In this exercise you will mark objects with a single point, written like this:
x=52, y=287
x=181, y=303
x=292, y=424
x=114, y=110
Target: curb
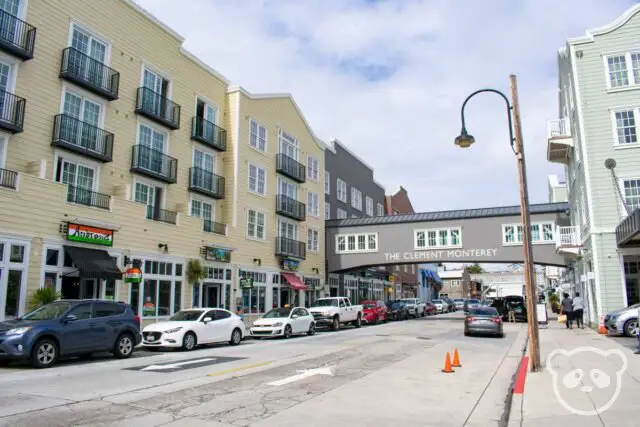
x=514, y=396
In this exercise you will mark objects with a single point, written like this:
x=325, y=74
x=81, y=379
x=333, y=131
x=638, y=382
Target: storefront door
x=211, y=295
x=89, y=289
x=13, y=278
x=285, y=296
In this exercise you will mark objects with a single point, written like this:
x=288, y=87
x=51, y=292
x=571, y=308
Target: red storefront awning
x=294, y=281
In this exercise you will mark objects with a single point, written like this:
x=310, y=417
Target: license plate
x=150, y=338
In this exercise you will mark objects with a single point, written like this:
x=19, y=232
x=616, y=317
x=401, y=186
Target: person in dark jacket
x=567, y=309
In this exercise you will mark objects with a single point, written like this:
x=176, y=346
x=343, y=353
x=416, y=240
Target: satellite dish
x=610, y=164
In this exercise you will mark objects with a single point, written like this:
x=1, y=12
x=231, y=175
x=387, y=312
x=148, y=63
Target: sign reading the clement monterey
x=86, y=234
x=441, y=254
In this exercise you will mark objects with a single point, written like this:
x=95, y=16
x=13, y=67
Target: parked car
x=459, y=302
x=70, y=328
x=416, y=307
x=399, y=310
x=511, y=302
x=336, y=311
x=284, y=322
x=189, y=328
x=430, y=308
x=374, y=312
x=451, y=305
x=623, y=321
x=440, y=305
x=469, y=304
x=483, y=320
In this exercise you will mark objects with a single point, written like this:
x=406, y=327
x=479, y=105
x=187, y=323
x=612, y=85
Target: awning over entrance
x=294, y=281
x=431, y=275
x=628, y=231
x=94, y=263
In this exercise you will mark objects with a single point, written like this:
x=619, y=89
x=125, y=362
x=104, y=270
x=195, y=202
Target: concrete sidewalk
x=585, y=378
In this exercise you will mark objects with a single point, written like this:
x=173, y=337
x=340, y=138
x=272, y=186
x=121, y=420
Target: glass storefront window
x=110, y=289
x=164, y=298
x=179, y=270
x=276, y=297
x=50, y=280
x=196, y=296
x=149, y=304
x=253, y=300
x=14, y=285
x=177, y=297
x=227, y=302
x=17, y=254
x=134, y=297
x=52, y=257
x=1, y=251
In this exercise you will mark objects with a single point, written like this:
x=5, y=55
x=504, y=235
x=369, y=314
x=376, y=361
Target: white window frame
x=327, y=182
x=158, y=277
x=633, y=83
x=380, y=209
x=425, y=236
x=636, y=118
x=540, y=225
x=310, y=241
x=87, y=96
x=23, y=267
x=163, y=74
x=293, y=224
x=313, y=208
x=258, y=167
x=255, y=237
x=341, y=190
x=622, y=205
x=210, y=103
x=149, y=183
x=327, y=211
x=91, y=33
x=311, y=162
x=142, y=121
x=208, y=151
x=283, y=138
x=356, y=236
x=356, y=198
x=369, y=205
x=202, y=199
x=266, y=136
x=14, y=66
x=341, y=214
x=78, y=160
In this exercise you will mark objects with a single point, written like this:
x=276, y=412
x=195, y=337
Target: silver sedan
x=483, y=320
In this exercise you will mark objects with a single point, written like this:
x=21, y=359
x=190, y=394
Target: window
x=327, y=211
x=152, y=157
x=288, y=145
x=257, y=180
x=256, y=224
x=623, y=70
x=369, y=206
x=287, y=229
x=257, y=136
x=83, y=131
x=313, y=204
x=438, y=238
x=625, y=125
x=80, y=179
x=405, y=267
x=94, y=49
x=82, y=312
x=148, y=195
x=253, y=299
x=354, y=216
x=543, y=232
x=288, y=188
x=341, y=214
x=355, y=243
x=380, y=209
x=103, y=309
x=356, y=198
x=631, y=191
x=202, y=209
x=342, y=190
x=313, y=242
x=313, y=168
x=160, y=294
x=327, y=182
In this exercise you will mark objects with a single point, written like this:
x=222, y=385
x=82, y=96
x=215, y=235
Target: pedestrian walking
x=567, y=309
x=578, y=310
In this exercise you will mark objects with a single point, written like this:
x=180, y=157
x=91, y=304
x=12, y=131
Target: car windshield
x=397, y=305
x=327, y=302
x=437, y=301
x=474, y=301
x=186, y=316
x=458, y=300
x=278, y=313
x=368, y=305
x=484, y=311
x=47, y=312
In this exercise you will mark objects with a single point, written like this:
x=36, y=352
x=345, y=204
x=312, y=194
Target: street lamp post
x=465, y=140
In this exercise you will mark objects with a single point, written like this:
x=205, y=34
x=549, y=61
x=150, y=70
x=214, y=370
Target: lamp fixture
x=257, y=261
x=315, y=270
x=165, y=246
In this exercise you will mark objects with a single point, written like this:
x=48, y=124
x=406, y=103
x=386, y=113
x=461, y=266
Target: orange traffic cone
x=456, y=359
x=447, y=364
x=602, y=329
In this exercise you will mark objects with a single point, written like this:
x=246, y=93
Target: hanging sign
x=217, y=254
x=246, y=283
x=133, y=275
x=86, y=234
x=290, y=264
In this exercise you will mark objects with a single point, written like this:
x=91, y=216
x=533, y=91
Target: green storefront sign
x=217, y=254
x=246, y=283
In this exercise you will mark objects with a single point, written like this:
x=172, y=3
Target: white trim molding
x=350, y=243
x=421, y=238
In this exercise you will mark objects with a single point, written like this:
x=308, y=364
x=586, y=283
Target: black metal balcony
x=215, y=227
x=158, y=108
x=154, y=164
x=291, y=168
x=208, y=133
x=11, y=112
x=82, y=196
x=286, y=247
x=89, y=73
x=8, y=179
x=207, y=183
x=161, y=215
x=82, y=138
x=628, y=231
x=291, y=208
x=17, y=37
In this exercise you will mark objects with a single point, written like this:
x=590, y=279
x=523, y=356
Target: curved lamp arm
x=509, y=109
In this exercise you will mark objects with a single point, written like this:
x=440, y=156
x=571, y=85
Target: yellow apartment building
x=120, y=149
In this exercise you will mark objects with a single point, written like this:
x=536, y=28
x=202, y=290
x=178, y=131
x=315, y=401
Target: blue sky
x=388, y=78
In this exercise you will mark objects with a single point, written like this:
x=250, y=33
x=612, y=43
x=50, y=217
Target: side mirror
x=295, y=316
x=207, y=319
x=70, y=318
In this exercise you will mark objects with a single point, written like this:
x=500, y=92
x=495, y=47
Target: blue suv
x=70, y=328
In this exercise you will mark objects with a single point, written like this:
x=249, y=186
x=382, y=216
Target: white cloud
x=437, y=52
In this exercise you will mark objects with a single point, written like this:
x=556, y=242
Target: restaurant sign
x=87, y=234
x=246, y=283
x=290, y=264
x=133, y=275
x=217, y=254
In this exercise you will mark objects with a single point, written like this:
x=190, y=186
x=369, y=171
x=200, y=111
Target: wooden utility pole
x=531, y=286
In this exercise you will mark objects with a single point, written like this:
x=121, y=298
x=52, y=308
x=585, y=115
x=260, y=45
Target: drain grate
x=423, y=338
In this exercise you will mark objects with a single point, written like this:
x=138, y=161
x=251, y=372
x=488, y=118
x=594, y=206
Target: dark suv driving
x=70, y=328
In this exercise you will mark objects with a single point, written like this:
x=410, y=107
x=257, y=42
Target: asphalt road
x=378, y=375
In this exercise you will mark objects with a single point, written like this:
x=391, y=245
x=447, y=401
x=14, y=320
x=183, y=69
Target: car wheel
x=287, y=332
x=44, y=354
x=236, y=337
x=335, y=325
x=124, y=346
x=424, y=312
x=631, y=328
x=501, y=335
x=359, y=321
x=376, y=320
x=312, y=329
x=189, y=341
x=466, y=333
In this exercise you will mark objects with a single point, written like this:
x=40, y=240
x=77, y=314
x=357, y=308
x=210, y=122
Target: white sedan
x=284, y=322
x=190, y=328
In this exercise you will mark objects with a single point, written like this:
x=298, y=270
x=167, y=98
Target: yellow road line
x=240, y=368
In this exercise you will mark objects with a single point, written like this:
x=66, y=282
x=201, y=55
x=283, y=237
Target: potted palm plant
x=43, y=296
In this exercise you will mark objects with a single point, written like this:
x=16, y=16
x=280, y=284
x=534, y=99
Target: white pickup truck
x=336, y=311
x=415, y=306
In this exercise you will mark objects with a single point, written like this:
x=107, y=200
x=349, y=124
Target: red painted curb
x=518, y=387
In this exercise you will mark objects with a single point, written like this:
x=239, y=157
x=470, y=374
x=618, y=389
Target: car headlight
x=277, y=324
x=18, y=331
x=173, y=331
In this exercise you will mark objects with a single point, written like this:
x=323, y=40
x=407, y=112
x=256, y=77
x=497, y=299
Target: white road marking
x=302, y=375
x=174, y=365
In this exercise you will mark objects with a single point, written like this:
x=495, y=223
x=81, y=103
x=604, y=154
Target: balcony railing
x=290, y=248
x=158, y=108
x=290, y=207
x=82, y=138
x=568, y=237
x=162, y=215
x=628, y=231
x=559, y=128
x=208, y=133
x=154, y=163
x=291, y=168
x=11, y=112
x=207, y=183
x=215, y=227
x=89, y=73
x=8, y=179
x=16, y=36
x=83, y=196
